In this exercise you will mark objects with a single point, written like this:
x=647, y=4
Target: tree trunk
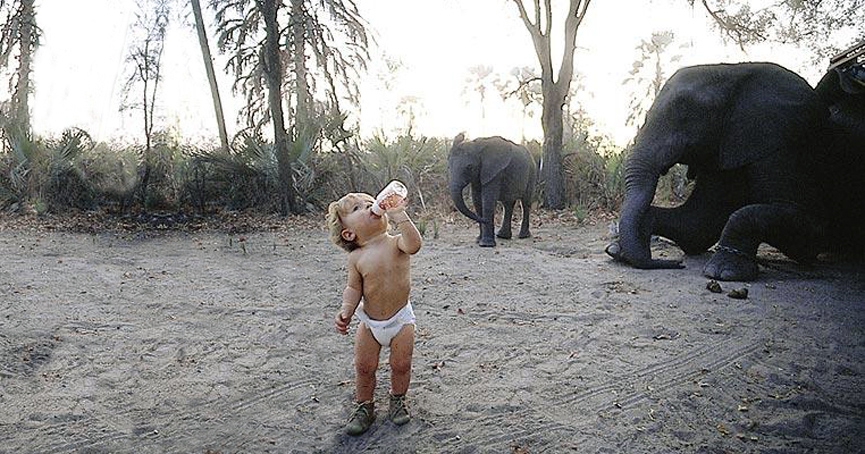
x=273, y=78
x=21, y=95
x=305, y=129
x=150, y=73
x=552, y=173
x=211, y=75
x=144, y=69
x=298, y=57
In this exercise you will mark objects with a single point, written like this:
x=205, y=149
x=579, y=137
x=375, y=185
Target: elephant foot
x=504, y=235
x=487, y=242
x=731, y=265
x=525, y=234
x=614, y=250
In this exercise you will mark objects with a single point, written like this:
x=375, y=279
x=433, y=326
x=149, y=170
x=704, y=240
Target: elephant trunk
x=636, y=222
x=460, y=203
x=633, y=243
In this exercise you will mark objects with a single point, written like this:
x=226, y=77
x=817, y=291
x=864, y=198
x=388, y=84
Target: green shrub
x=113, y=173
x=244, y=177
x=594, y=173
x=71, y=172
x=63, y=182
x=45, y=175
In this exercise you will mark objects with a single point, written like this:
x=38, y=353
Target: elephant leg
x=785, y=226
x=489, y=192
x=696, y=225
x=524, y=227
x=477, y=201
x=505, y=229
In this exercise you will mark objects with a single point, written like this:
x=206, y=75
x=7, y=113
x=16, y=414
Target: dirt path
x=201, y=342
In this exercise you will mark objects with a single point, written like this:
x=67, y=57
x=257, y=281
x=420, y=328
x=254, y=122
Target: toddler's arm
x=409, y=240
x=350, y=299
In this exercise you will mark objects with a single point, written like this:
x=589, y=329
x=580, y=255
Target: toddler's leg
x=366, y=351
x=401, y=350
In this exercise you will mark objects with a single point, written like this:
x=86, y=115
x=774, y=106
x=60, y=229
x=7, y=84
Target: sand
x=209, y=342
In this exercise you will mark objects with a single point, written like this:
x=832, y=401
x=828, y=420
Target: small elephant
x=774, y=160
x=497, y=170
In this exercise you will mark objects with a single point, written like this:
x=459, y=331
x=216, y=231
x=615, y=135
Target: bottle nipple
x=389, y=197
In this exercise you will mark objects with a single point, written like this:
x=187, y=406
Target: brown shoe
x=398, y=411
x=361, y=418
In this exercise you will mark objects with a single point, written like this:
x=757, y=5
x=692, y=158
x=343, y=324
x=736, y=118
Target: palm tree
x=19, y=33
x=274, y=46
x=273, y=78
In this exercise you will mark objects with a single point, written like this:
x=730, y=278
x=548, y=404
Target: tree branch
x=576, y=13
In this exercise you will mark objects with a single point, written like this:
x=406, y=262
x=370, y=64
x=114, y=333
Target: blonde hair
x=335, y=212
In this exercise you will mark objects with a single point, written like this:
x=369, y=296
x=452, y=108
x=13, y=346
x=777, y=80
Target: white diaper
x=385, y=330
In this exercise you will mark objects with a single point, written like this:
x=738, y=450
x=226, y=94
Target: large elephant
x=496, y=169
x=774, y=161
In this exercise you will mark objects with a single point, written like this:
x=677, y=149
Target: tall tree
x=272, y=66
x=211, y=75
x=408, y=108
x=305, y=53
x=554, y=86
x=19, y=36
x=645, y=80
x=479, y=80
x=525, y=87
x=649, y=72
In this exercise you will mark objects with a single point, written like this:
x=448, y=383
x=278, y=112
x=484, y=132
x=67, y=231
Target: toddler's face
x=358, y=218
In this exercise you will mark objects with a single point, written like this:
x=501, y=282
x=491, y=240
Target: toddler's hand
x=400, y=205
x=397, y=212
x=341, y=323
x=394, y=204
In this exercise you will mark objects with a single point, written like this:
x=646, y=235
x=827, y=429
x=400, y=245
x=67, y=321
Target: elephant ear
x=755, y=131
x=496, y=158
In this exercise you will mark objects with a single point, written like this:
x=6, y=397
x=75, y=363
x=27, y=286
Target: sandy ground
x=202, y=342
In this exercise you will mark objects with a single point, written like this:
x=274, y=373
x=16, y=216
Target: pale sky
x=79, y=69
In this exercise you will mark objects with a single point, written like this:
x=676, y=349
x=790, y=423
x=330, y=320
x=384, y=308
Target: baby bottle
x=389, y=197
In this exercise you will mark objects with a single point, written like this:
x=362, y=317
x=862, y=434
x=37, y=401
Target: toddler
x=379, y=282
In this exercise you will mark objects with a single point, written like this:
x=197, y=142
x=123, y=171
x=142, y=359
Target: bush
x=420, y=163
x=594, y=173
x=243, y=178
x=45, y=175
x=71, y=172
x=112, y=171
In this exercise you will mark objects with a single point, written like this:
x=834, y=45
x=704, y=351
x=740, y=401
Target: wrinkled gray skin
x=773, y=161
x=496, y=169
